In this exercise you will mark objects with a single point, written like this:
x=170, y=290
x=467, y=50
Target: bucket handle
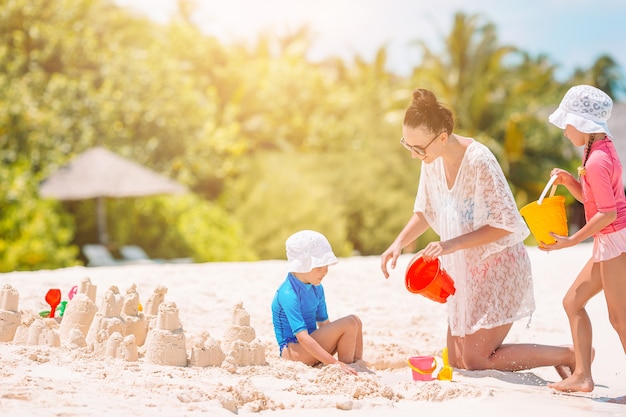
x=545, y=190
x=424, y=371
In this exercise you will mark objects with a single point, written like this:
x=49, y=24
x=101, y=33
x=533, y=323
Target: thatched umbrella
x=99, y=173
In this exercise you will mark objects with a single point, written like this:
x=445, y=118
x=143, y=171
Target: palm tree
x=499, y=95
x=469, y=74
x=605, y=74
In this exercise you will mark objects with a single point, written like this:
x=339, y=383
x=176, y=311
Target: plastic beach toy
x=422, y=367
x=445, y=373
x=428, y=279
x=53, y=297
x=546, y=215
x=72, y=292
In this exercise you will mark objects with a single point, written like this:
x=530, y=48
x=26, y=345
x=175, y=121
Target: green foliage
x=376, y=192
x=267, y=141
x=281, y=194
x=500, y=96
x=358, y=200
x=184, y=226
x=33, y=234
x=211, y=233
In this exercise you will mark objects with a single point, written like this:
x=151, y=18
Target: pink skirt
x=609, y=246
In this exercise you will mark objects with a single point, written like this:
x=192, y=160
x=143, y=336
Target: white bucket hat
x=584, y=107
x=308, y=249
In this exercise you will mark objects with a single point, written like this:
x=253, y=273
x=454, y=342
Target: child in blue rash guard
x=303, y=331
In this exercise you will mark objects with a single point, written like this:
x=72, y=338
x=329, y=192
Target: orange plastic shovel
x=53, y=297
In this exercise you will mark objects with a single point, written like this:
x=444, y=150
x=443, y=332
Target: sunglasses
x=420, y=150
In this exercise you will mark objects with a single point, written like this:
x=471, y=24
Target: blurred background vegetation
x=267, y=141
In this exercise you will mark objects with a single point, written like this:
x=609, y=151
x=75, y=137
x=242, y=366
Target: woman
x=464, y=196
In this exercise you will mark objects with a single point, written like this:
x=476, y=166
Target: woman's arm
x=478, y=237
x=414, y=228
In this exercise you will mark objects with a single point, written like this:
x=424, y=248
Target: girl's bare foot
x=574, y=383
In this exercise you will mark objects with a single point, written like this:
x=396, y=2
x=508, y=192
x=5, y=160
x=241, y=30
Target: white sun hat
x=308, y=249
x=584, y=107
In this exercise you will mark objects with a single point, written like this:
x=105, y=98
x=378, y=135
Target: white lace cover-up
x=493, y=281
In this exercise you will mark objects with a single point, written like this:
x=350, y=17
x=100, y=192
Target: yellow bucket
x=546, y=215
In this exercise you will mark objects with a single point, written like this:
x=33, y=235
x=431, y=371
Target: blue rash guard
x=297, y=306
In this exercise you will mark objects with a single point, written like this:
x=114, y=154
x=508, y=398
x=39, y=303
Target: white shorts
x=609, y=246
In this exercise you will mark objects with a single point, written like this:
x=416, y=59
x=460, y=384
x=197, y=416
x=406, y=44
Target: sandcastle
x=10, y=317
x=24, y=328
x=37, y=331
x=79, y=311
x=108, y=331
x=121, y=347
x=135, y=320
x=206, y=351
x=119, y=327
x=165, y=343
x=242, y=347
x=151, y=309
x=75, y=340
x=107, y=321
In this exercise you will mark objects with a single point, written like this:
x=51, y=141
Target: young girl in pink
x=583, y=114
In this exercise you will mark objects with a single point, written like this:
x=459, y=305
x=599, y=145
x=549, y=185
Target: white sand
x=218, y=314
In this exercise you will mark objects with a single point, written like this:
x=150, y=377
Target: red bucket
x=428, y=279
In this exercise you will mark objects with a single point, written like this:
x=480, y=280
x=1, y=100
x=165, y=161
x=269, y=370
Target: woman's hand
x=392, y=254
x=434, y=250
x=478, y=237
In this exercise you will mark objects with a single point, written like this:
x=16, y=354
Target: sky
x=571, y=33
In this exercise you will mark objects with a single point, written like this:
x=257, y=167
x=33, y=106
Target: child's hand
x=560, y=242
x=562, y=177
x=347, y=368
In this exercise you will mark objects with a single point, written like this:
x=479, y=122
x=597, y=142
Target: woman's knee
x=473, y=361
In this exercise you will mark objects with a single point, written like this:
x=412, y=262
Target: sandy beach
x=208, y=346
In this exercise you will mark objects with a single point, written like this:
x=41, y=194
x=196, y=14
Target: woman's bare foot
x=574, y=383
